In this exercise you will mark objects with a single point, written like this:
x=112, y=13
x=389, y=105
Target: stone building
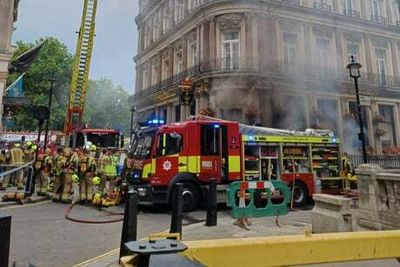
x=8, y=15
x=281, y=63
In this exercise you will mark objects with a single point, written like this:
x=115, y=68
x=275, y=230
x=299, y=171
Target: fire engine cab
x=197, y=150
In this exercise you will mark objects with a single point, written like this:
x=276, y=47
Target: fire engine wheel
x=300, y=195
x=190, y=197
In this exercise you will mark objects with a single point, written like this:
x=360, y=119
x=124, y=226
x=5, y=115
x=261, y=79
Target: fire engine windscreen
x=99, y=140
x=142, y=146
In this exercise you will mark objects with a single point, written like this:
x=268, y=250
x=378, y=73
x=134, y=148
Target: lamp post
x=354, y=70
x=52, y=80
x=133, y=110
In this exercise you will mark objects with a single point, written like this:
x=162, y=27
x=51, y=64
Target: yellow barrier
x=295, y=250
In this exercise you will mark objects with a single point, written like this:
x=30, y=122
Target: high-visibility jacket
x=16, y=156
x=110, y=167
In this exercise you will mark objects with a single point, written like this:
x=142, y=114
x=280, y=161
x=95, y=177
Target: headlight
x=142, y=192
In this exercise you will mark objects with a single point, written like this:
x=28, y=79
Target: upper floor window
x=289, y=47
x=396, y=13
x=167, y=16
x=231, y=49
x=194, y=4
x=179, y=61
x=179, y=10
x=146, y=36
x=388, y=126
x=353, y=50
x=166, y=69
x=157, y=24
x=154, y=73
x=322, y=51
x=376, y=10
x=146, y=79
x=380, y=57
x=349, y=9
x=193, y=53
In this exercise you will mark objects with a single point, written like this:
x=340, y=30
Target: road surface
x=42, y=237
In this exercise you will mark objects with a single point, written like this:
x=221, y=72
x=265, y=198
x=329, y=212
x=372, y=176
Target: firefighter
x=29, y=152
x=87, y=170
x=347, y=166
x=110, y=170
x=101, y=168
x=44, y=172
x=16, y=158
x=70, y=164
x=57, y=172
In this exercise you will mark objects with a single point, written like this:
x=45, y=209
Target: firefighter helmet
x=93, y=148
x=96, y=180
x=75, y=178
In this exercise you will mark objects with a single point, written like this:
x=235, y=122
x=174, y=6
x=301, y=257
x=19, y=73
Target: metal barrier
x=385, y=161
x=295, y=250
x=29, y=182
x=249, y=199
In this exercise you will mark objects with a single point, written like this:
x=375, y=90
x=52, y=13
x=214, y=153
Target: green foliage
x=55, y=61
x=107, y=106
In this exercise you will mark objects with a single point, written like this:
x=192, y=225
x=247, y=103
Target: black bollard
x=5, y=235
x=29, y=187
x=129, y=226
x=177, y=207
x=211, y=219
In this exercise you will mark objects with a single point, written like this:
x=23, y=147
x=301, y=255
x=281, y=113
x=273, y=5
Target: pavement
x=33, y=199
x=293, y=223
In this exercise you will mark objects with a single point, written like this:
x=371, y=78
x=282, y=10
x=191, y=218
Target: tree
x=107, y=106
x=55, y=61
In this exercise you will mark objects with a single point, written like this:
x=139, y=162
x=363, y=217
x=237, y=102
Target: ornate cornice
x=231, y=21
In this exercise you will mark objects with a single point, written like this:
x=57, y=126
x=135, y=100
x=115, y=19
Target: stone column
x=396, y=70
x=185, y=52
x=168, y=119
x=368, y=54
x=212, y=38
x=204, y=41
x=248, y=28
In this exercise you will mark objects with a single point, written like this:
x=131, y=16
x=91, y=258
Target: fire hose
x=70, y=207
x=69, y=218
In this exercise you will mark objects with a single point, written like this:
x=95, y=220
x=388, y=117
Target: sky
x=116, y=35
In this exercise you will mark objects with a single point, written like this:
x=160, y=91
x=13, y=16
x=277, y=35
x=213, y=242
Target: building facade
x=280, y=63
x=8, y=15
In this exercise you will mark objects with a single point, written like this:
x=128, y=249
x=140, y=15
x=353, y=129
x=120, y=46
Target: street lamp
x=52, y=80
x=133, y=110
x=354, y=70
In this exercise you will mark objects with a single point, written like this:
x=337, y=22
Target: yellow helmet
x=96, y=180
x=29, y=143
x=17, y=145
x=34, y=147
x=93, y=148
x=75, y=178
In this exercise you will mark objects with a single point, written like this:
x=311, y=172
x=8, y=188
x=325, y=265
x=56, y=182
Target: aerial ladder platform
x=81, y=67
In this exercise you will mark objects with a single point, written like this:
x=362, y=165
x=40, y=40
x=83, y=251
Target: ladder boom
x=81, y=67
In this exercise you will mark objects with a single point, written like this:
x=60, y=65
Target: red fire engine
x=197, y=150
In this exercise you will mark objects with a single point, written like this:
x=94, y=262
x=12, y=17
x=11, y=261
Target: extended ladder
x=80, y=75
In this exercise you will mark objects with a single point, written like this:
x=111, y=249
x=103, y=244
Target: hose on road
x=69, y=218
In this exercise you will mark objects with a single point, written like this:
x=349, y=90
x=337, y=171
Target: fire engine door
x=214, y=152
x=169, y=145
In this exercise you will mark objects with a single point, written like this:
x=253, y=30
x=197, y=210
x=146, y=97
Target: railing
x=385, y=161
x=279, y=69
x=379, y=19
x=322, y=6
x=351, y=13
